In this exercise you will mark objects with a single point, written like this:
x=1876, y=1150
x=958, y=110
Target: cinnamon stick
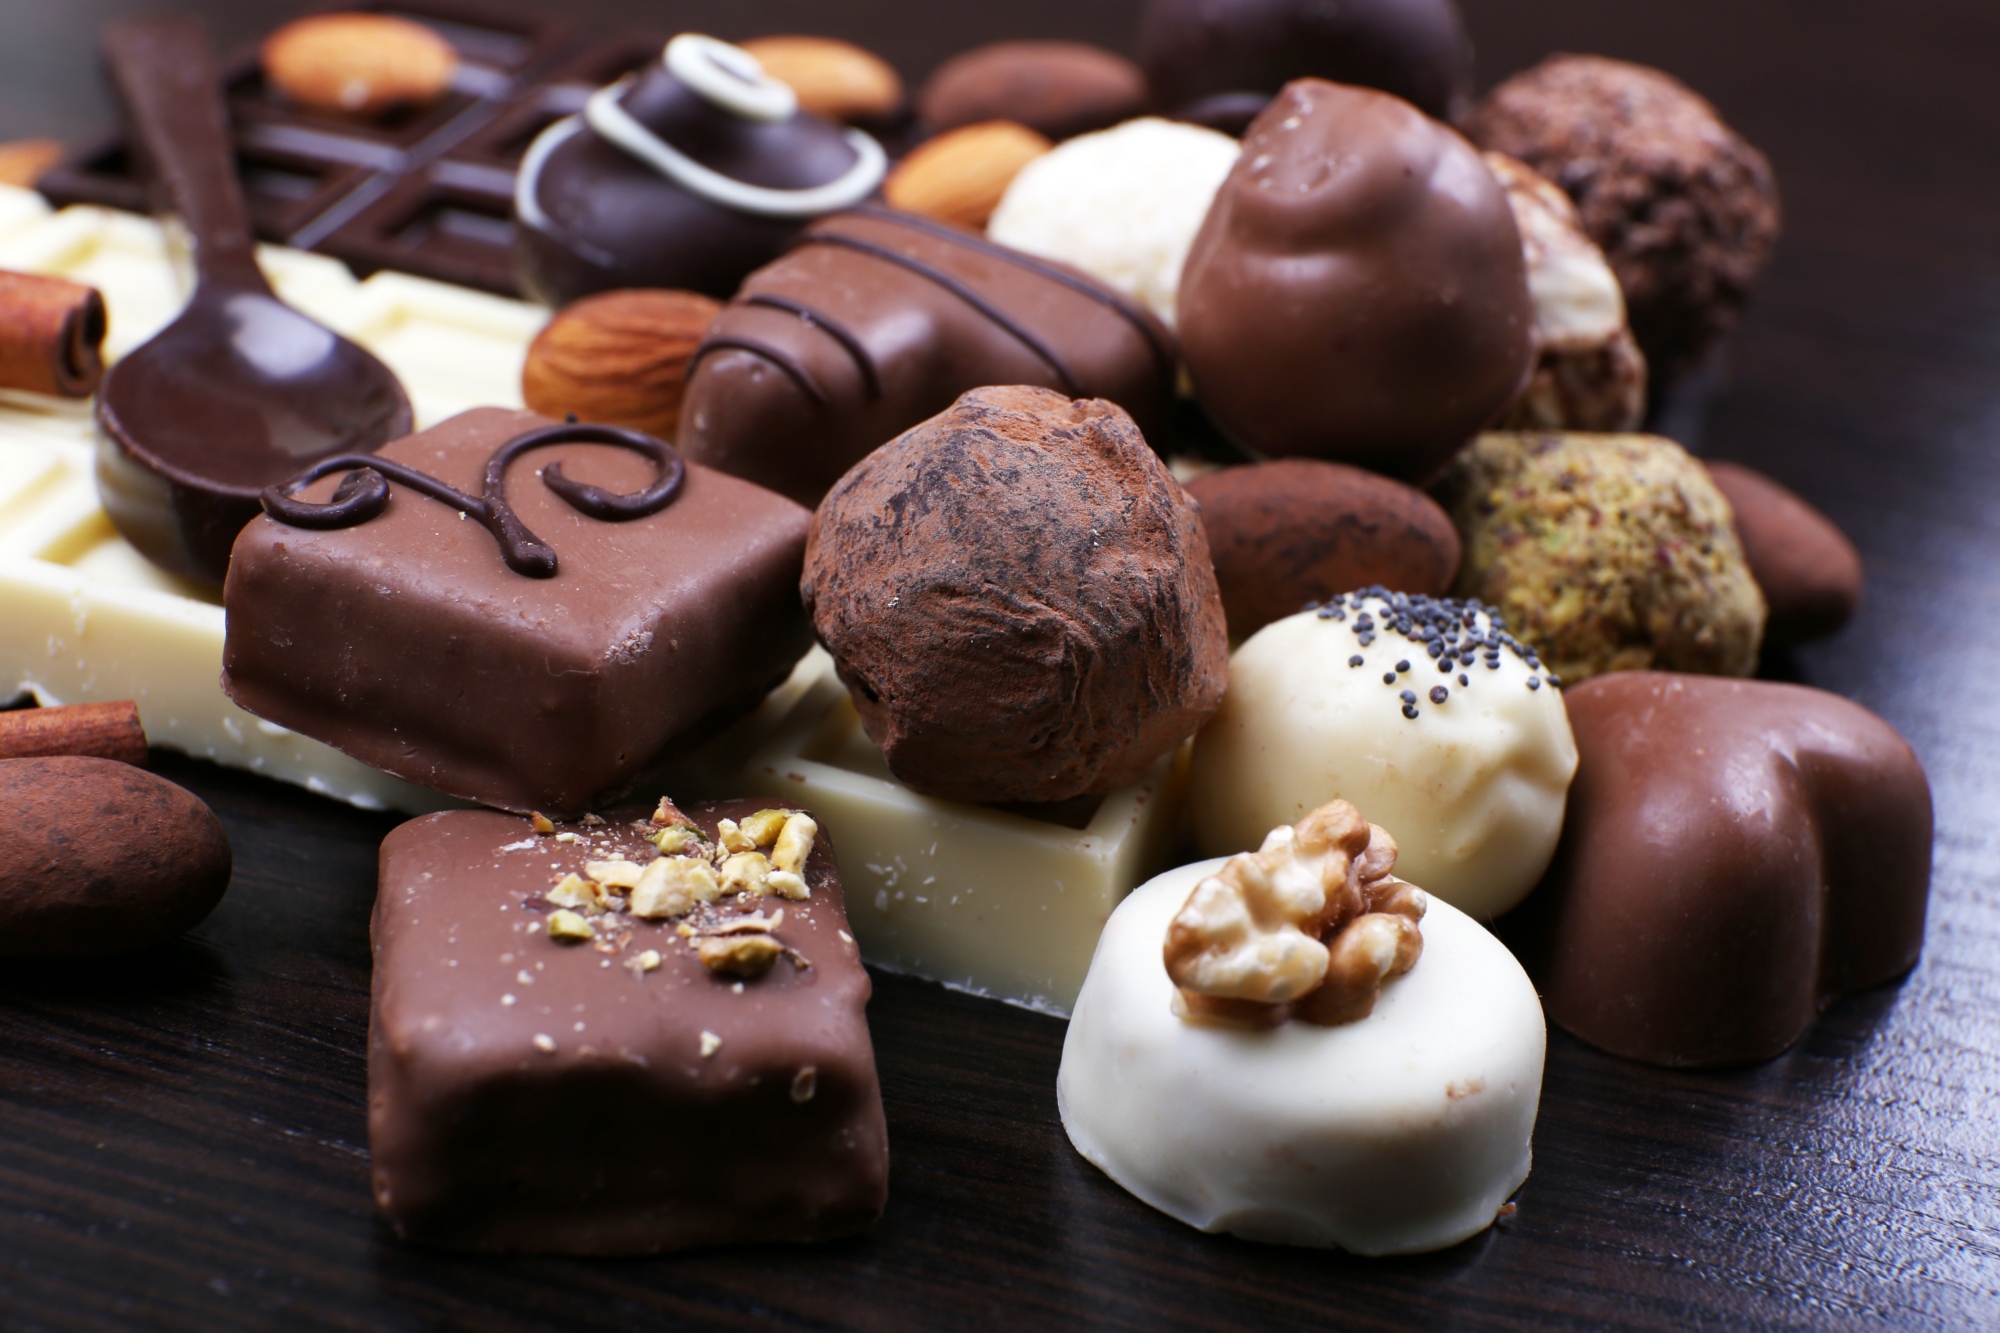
x=51, y=335
x=103, y=731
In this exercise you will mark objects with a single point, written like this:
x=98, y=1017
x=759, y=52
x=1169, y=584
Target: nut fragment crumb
x=574, y=891
x=647, y=961
x=542, y=823
x=804, y=1084
x=732, y=837
x=764, y=827
x=567, y=925
x=743, y=955
x=666, y=812
x=566, y=837
x=672, y=885
x=593, y=821
x=787, y=885
x=795, y=844
x=618, y=873
x=710, y=1043
x=545, y=1043
x=746, y=872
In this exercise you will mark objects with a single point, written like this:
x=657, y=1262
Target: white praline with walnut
x=1424, y=712
x=1399, y=1132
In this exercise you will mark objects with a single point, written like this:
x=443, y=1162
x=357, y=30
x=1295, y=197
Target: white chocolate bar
x=1401, y=1132
x=83, y=616
x=984, y=900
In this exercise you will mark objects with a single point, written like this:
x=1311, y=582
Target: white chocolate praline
x=1402, y=1132
x=1123, y=204
x=1472, y=788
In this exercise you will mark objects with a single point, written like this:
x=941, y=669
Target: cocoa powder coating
x=1684, y=207
x=1019, y=598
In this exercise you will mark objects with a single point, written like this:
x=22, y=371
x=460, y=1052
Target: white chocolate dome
x=1471, y=787
x=1402, y=1132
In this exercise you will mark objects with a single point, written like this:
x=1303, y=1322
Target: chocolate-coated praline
x=1358, y=290
x=1416, y=49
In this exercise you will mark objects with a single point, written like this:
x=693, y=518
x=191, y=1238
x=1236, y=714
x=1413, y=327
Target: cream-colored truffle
x=1122, y=205
x=1466, y=767
x=1400, y=1132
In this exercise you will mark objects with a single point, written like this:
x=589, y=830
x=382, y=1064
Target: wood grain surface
x=183, y=1138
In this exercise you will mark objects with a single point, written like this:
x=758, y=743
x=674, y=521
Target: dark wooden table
x=183, y=1139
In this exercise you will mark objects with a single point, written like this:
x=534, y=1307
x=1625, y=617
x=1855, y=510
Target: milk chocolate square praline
x=407, y=642
x=529, y=1094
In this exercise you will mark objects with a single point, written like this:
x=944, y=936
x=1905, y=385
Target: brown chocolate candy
x=1809, y=571
x=1357, y=291
x=1020, y=600
x=1058, y=89
x=879, y=320
x=1295, y=530
x=1205, y=50
x=1736, y=855
x=98, y=857
x=1684, y=207
x=410, y=641
x=523, y=1095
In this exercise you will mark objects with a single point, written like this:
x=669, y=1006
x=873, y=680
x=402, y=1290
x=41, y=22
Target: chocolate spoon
x=241, y=391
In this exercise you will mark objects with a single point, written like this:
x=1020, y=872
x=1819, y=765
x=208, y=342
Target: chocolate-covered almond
x=1358, y=290
x=1298, y=530
x=98, y=857
x=1809, y=571
x=1058, y=89
x=1736, y=855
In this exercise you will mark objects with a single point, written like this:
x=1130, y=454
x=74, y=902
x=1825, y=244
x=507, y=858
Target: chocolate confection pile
x=1021, y=398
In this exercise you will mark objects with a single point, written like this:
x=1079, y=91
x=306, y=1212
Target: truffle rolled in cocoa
x=51, y=335
x=98, y=857
x=1736, y=855
x=1019, y=599
x=1296, y=530
x=878, y=320
x=1357, y=291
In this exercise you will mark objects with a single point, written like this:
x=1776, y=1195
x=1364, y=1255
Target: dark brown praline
x=531, y=1095
x=614, y=222
x=1684, y=208
x=1358, y=290
x=1809, y=572
x=1297, y=530
x=1020, y=600
x=878, y=320
x=1736, y=855
x=1194, y=50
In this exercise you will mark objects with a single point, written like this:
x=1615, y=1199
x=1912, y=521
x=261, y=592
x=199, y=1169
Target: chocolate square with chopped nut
x=620, y=1036
x=406, y=638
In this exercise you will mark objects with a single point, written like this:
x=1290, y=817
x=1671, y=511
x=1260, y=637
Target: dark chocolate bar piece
x=410, y=641
x=577, y=1079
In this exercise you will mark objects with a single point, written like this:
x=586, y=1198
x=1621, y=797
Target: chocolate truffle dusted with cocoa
x=1809, y=572
x=1685, y=209
x=1020, y=600
x=1297, y=530
x=1197, y=51
x=513, y=610
x=1736, y=855
x=1357, y=291
x=620, y=1036
x=1059, y=89
x=687, y=175
x=878, y=320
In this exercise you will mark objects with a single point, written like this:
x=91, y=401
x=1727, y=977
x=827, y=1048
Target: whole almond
x=832, y=78
x=618, y=357
x=22, y=161
x=959, y=176
x=361, y=64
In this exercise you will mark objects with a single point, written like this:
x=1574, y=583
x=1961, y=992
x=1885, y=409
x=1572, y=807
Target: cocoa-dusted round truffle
x=1358, y=290
x=688, y=174
x=1297, y=530
x=1059, y=89
x=1019, y=599
x=1684, y=207
x=1198, y=51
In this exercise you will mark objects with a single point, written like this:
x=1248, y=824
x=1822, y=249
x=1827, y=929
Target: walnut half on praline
x=1019, y=598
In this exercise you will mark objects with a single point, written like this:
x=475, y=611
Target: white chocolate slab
x=984, y=900
x=83, y=616
x=1403, y=1132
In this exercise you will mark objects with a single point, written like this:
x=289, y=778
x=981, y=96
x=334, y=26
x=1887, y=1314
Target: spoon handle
x=165, y=74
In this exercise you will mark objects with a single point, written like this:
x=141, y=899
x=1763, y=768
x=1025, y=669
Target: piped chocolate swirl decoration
x=364, y=492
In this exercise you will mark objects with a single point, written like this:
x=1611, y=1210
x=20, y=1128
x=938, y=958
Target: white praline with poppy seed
x=1467, y=765
x=1400, y=1132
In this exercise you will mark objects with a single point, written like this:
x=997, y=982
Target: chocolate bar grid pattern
x=427, y=191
